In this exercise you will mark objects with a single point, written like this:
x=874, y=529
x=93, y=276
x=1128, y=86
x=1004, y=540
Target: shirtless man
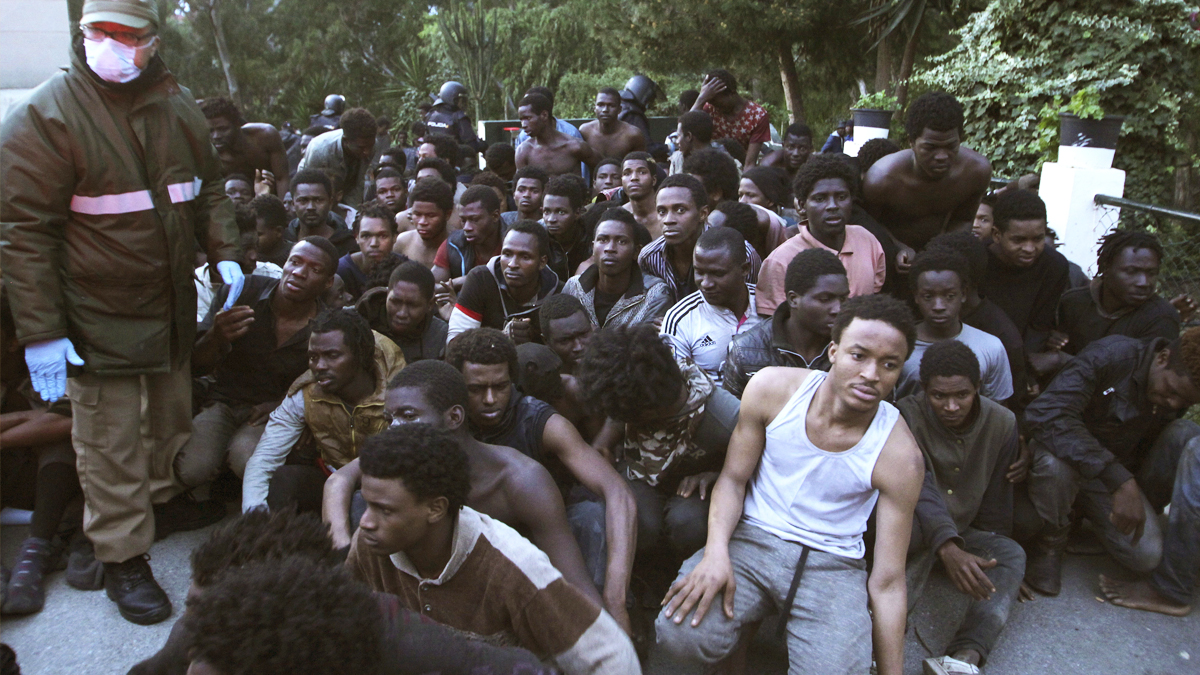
x=640, y=181
x=432, y=204
x=505, y=484
x=547, y=147
x=832, y=451
x=609, y=136
x=797, y=148
x=931, y=188
x=255, y=150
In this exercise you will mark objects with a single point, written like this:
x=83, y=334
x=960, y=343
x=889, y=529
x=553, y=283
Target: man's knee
x=241, y=448
x=1146, y=554
x=686, y=524
x=694, y=647
x=1053, y=485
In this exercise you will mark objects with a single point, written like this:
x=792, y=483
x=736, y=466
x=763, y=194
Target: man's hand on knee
x=1128, y=514
x=713, y=576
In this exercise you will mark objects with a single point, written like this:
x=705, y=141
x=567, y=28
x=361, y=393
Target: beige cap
x=132, y=13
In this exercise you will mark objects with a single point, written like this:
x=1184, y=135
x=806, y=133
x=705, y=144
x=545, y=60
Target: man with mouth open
x=790, y=526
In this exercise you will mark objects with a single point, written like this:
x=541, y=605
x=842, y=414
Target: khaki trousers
x=126, y=431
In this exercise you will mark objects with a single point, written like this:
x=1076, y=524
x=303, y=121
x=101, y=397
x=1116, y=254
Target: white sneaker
x=948, y=665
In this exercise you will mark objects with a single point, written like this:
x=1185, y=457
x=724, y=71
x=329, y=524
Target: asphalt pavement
x=1075, y=633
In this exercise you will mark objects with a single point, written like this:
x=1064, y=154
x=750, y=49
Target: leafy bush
x=1141, y=59
x=880, y=100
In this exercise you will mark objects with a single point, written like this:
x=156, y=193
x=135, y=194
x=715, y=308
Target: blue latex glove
x=231, y=274
x=47, y=361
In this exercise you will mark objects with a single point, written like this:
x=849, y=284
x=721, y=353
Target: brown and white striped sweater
x=503, y=589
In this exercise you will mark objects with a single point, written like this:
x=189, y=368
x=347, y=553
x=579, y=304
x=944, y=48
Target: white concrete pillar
x=35, y=41
x=1068, y=192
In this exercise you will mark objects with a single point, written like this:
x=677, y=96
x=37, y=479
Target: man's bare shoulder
x=890, y=170
x=770, y=388
x=901, y=464
x=975, y=165
x=260, y=130
x=524, y=149
x=589, y=128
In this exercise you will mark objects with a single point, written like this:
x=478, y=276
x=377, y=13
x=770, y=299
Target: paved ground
x=82, y=632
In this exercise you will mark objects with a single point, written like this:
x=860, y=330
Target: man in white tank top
x=817, y=451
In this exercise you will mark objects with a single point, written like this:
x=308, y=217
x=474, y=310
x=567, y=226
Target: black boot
x=131, y=585
x=1043, y=568
x=184, y=513
x=26, y=588
x=83, y=570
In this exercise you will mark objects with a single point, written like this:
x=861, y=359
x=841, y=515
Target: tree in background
x=1017, y=57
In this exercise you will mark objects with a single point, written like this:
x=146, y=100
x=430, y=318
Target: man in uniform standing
x=110, y=181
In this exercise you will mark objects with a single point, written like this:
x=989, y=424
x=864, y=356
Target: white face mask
x=111, y=60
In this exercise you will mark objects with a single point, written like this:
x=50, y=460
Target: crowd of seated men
x=581, y=420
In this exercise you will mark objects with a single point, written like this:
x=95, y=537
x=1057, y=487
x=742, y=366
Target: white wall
x=35, y=41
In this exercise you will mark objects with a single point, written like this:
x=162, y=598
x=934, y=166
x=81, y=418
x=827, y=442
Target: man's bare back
x=623, y=139
x=558, y=154
x=259, y=148
x=412, y=245
x=915, y=209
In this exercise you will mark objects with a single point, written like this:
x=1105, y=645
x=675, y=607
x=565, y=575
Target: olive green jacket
x=107, y=192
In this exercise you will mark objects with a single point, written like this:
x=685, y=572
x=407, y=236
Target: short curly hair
x=356, y=334
x=271, y=209
x=281, y=618
x=219, y=106
x=949, y=358
x=627, y=370
x=313, y=177
x=533, y=173
x=414, y=273
x=879, y=307
x=1118, y=240
x=934, y=110
x=739, y=216
x=260, y=536
x=428, y=461
x=558, y=306
x=1185, y=355
x=1017, y=204
x=358, y=123
x=481, y=194
x=497, y=155
x=377, y=210
x=441, y=383
x=939, y=259
x=773, y=182
x=444, y=145
x=570, y=186
x=485, y=346
x=445, y=172
x=821, y=167
x=690, y=183
x=716, y=169
x=874, y=150
x=968, y=246
x=725, y=239
x=488, y=179
x=433, y=191
x=697, y=123
x=808, y=266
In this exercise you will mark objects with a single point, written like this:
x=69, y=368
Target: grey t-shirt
x=995, y=376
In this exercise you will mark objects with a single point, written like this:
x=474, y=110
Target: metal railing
x=1177, y=231
x=1157, y=211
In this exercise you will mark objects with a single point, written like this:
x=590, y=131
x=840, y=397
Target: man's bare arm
x=335, y=503
x=752, y=154
x=539, y=510
x=585, y=153
x=898, y=475
x=714, y=575
x=279, y=162
x=620, y=511
x=523, y=152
